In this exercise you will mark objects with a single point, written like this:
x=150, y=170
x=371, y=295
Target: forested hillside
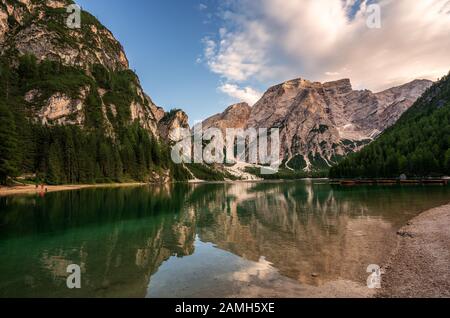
x=72, y=153
x=71, y=111
x=418, y=145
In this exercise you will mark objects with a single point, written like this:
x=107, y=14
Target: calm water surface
x=207, y=240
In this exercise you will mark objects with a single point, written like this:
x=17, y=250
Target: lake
x=274, y=239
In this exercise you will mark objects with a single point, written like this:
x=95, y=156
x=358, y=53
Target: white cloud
x=246, y=94
x=270, y=41
x=210, y=48
x=237, y=56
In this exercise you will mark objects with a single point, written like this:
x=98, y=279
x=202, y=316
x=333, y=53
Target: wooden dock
x=355, y=182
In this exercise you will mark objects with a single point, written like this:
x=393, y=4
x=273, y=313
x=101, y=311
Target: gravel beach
x=420, y=265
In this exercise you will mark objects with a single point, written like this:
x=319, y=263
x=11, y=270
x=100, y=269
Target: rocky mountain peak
x=235, y=116
x=93, y=77
x=39, y=28
x=171, y=121
x=343, y=86
x=322, y=122
x=238, y=108
x=294, y=84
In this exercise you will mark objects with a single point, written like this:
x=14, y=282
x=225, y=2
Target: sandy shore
x=420, y=265
x=31, y=189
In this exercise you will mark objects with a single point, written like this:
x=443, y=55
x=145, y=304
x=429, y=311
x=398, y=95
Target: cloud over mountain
x=268, y=41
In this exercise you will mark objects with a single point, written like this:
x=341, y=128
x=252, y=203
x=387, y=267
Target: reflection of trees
x=120, y=238
x=61, y=211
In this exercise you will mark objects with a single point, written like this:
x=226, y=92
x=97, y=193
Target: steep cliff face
x=417, y=145
x=235, y=116
x=170, y=122
x=321, y=123
x=395, y=101
x=38, y=29
x=77, y=113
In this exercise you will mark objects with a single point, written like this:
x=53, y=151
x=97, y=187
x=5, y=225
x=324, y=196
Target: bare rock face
x=172, y=121
x=397, y=100
x=322, y=122
x=38, y=28
x=55, y=3
x=28, y=27
x=4, y=27
x=157, y=112
x=235, y=116
x=160, y=178
x=143, y=112
x=62, y=109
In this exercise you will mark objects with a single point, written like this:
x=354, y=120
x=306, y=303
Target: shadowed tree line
x=70, y=153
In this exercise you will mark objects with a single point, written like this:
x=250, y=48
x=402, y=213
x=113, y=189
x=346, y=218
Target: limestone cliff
x=235, y=116
x=172, y=121
x=322, y=122
x=38, y=29
x=337, y=120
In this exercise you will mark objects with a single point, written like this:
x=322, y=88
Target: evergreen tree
x=447, y=162
x=28, y=68
x=417, y=145
x=54, y=173
x=70, y=153
x=8, y=144
x=118, y=167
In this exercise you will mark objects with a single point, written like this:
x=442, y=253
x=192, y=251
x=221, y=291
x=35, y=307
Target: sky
x=204, y=55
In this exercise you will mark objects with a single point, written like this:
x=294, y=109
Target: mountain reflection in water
x=207, y=240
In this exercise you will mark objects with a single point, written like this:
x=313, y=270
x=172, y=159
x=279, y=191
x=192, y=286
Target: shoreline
x=419, y=265
x=31, y=189
x=253, y=181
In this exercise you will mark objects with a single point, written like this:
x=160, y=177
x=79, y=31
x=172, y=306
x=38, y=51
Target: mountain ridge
x=320, y=123
x=417, y=145
x=70, y=91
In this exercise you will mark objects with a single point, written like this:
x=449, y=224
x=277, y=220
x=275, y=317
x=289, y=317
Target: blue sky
x=163, y=40
x=203, y=55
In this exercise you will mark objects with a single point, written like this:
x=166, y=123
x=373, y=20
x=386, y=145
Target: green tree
x=118, y=167
x=28, y=68
x=8, y=144
x=54, y=174
x=447, y=162
x=417, y=145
